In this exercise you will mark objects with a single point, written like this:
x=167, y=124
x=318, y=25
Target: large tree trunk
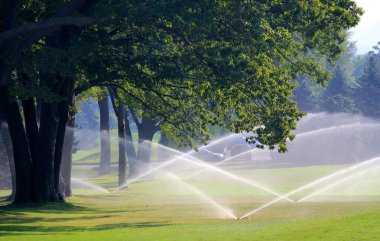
x=63, y=114
x=59, y=184
x=105, y=143
x=44, y=190
x=21, y=152
x=30, y=117
x=146, y=131
x=67, y=156
x=48, y=183
x=120, y=114
x=9, y=151
x=37, y=160
x=31, y=125
x=53, y=120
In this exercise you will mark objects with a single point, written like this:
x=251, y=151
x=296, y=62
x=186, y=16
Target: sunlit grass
x=164, y=210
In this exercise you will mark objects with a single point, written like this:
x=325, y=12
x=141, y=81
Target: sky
x=367, y=33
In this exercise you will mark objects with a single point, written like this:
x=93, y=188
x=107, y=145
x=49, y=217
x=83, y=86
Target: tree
x=120, y=115
x=67, y=156
x=104, y=133
x=37, y=151
x=201, y=62
x=308, y=95
x=147, y=125
x=9, y=152
x=367, y=96
x=338, y=96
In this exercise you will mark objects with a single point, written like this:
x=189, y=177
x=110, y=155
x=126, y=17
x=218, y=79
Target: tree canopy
x=190, y=63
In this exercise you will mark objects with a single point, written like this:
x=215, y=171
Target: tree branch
x=53, y=23
x=148, y=106
x=187, y=43
x=12, y=12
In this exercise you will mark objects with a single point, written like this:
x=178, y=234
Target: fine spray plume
x=330, y=158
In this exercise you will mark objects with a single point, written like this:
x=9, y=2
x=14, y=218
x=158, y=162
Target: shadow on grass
x=27, y=218
x=58, y=207
x=55, y=208
x=9, y=230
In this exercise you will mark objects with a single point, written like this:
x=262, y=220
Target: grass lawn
x=164, y=210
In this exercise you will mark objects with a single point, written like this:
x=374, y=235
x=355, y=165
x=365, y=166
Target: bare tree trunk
x=63, y=114
x=21, y=153
x=130, y=148
x=31, y=125
x=67, y=156
x=120, y=114
x=9, y=151
x=146, y=130
x=121, y=134
x=44, y=165
x=30, y=117
x=105, y=143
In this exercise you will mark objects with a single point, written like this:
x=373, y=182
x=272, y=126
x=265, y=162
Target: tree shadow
x=58, y=207
x=19, y=218
x=10, y=230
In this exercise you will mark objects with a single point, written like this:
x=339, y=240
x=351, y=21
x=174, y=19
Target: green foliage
x=338, y=95
x=367, y=97
x=221, y=63
x=191, y=64
x=354, y=87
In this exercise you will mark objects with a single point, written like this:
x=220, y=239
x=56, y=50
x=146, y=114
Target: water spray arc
x=322, y=140
x=203, y=196
x=221, y=162
x=171, y=161
x=200, y=194
x=333, y=184
x=311, y=184
x=195, y=161
x=357, y=124
x=151, y=170
x=300, y=135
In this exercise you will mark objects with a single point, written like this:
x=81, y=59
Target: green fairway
x=165, y=210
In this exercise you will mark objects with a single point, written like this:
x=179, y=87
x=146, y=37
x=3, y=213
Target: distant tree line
x=353, y=88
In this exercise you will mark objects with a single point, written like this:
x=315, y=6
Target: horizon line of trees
x=353, y=88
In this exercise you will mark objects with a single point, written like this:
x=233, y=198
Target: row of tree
x=354, y=87
x=190, y=63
